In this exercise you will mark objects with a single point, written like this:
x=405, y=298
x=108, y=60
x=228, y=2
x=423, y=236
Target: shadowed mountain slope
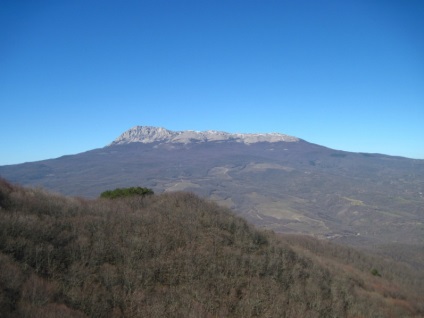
x=176, y=255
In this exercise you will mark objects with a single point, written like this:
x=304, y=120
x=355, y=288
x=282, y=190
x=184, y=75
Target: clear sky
x=344, y=74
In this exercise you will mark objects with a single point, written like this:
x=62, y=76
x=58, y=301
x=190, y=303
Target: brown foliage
x=172, y=255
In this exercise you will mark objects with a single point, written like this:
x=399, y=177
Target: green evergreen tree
x=126, y=192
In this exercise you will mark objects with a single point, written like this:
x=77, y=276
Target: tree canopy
x=126, y=192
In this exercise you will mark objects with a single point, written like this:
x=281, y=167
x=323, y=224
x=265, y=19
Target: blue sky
x=344, y=74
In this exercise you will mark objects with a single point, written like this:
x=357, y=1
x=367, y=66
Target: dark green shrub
x=375, y=272
x=126, y=192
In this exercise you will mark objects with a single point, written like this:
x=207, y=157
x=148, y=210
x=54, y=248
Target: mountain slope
x=287, y=186
x=171, y=255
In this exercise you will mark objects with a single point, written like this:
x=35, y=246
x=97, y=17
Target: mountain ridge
x=151, y=134
x=360, y=199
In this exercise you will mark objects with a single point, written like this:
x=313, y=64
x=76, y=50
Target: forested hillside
x=176, y=255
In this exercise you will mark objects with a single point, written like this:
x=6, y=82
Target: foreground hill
x=176, y=255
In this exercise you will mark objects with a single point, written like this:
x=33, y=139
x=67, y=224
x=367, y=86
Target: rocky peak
x=149, y=134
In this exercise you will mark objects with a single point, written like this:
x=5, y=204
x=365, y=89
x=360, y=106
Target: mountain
x=275, y=181
x=176, y=255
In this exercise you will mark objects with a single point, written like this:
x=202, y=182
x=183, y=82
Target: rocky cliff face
x=147, y=134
